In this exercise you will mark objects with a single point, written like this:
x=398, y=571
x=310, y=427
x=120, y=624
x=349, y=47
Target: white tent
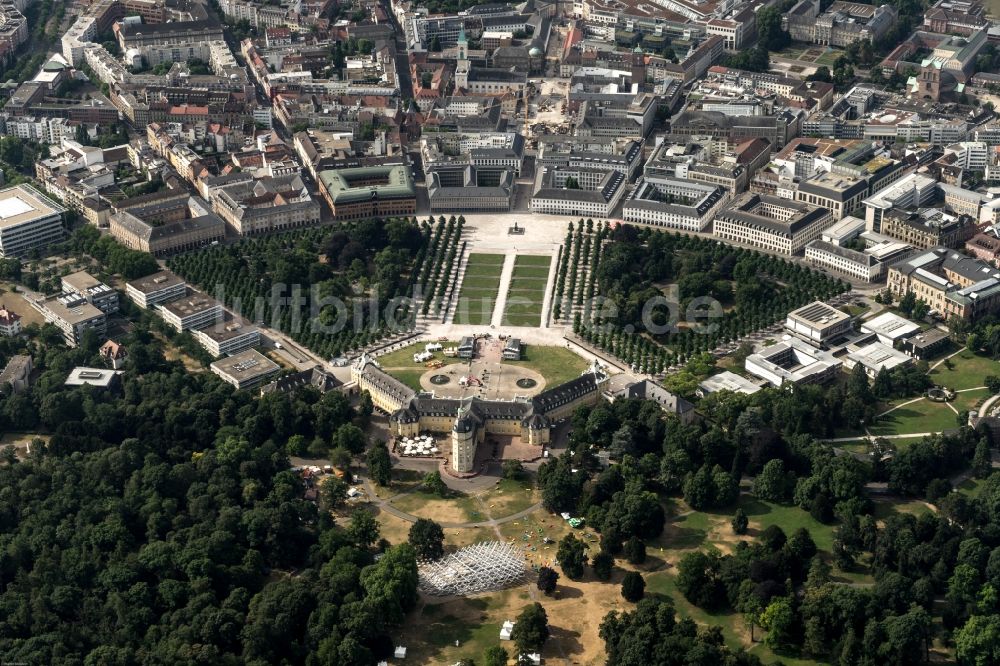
x=400, y=652
x=505, y=630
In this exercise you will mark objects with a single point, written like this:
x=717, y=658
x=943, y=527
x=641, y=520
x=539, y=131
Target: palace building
x=470, y=420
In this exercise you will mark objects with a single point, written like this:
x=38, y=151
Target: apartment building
x=155, y=289
x=86, y=286
x=228, y=337
x=73, y=316
x=192, y=311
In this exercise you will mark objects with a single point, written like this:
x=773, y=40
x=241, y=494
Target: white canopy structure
x=481, y=567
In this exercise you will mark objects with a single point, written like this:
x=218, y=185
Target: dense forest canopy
x=161, y=525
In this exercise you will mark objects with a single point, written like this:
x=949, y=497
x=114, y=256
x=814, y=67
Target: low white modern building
x=818, y=323
x=876, y=356
x=727, y=381
x=889, y=327
x=191, y=312
x=225, y=338
x=792, y=361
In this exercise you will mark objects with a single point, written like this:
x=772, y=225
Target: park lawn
x=828, y=58
x=521, y=282
x=477, y=258
x=529, y=312
x=968, y=400
x=403, y=480
x=510, y=496
x=556, y=364
x=922, y=416
x=971, y=487
x=885, y=508
x=968, y=371
x=409, y=376
x=404, y=357
x=431, y=631
x=733, y=628
x=789, y=518
x=400, y=363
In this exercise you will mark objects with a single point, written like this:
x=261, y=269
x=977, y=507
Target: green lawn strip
x=473, y=318
x=917, y=417
x=527, y=281
x=532, y=260
x=968, y=371
x=483, y=271
x=484, y=258
x=536, y=272
x=480, y=282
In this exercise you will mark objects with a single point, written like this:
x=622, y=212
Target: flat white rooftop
x=728, y=381
x=890, y=326
x=20, y=204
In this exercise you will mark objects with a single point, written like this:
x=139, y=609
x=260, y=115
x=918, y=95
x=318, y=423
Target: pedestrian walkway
x=505, y=275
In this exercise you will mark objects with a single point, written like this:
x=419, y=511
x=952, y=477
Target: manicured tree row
x=581, y=286
x=563, y=269
x=574, y=265
x=439, y=257
x=435, y=244
x=556, y=309
x=449, y=265
x=454, y=278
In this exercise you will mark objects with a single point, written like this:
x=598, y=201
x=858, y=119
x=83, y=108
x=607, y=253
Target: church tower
x=462, y=64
